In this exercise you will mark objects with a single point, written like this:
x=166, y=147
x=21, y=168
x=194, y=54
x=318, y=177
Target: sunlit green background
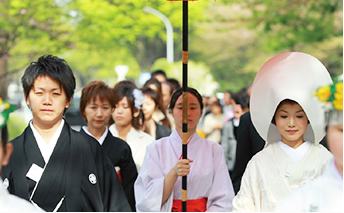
x=228, y=39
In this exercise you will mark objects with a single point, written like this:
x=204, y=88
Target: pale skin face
x=194, y=113
x=291, y=122
x=47, y=101
x=160, y=77
x=216, y=110
x=122, y=116
x=122, y=113
x=166, y=94
x=148, y=107
x=335, y=142
x=97, y=114
x=227, y=98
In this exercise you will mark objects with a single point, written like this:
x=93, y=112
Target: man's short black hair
x=158, y=72
x=53, y=67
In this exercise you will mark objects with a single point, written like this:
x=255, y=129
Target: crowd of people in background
x=248, y=151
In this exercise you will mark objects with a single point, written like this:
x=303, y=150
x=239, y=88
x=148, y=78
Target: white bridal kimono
x=12, y=203
x=324, y=194
x=276, y=171
x=271, y=175
x=208, y=177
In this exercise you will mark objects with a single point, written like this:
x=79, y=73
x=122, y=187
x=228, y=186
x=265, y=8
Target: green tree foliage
x=117, y=27
x=29, y=28
x=15, y=125
x=237, y=37
x=286, y=23
x=231, y=39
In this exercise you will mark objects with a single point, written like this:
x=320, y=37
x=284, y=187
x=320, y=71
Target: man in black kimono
x=52, y=165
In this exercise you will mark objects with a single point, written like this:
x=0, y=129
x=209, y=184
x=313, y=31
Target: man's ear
x=69, y=103
x=26, y=100
x=7, y=154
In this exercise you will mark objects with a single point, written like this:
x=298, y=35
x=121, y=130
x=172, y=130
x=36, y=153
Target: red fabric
x=197, y=205
x=119, y=176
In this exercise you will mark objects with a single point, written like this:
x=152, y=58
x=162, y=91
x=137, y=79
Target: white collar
x=3, y=188
x=47, y=148
x=295, y=154
x=102, y=138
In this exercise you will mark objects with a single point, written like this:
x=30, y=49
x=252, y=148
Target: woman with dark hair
x=159, y=115
x=324, y=193
x=291, y=122
x=96, y=105
x=149, y=106
x=128, y=120
x=158, y=186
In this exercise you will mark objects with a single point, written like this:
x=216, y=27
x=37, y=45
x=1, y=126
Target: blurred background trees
x=229, y=40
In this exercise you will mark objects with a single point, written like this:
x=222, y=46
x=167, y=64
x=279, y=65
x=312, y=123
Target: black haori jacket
x=78, y=176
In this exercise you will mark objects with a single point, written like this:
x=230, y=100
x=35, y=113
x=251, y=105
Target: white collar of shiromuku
x=102, y=138
x=47, y=148
x=295, y=154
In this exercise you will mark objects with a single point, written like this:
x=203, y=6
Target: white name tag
x=35, y=173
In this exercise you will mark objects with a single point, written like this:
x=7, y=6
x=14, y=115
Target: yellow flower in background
x=338, y=101
x=338, y=104
x=201, y=133
x=339, y=87
x=332, y=95
x=323, y=93
x=7, y=105
x=5, y=109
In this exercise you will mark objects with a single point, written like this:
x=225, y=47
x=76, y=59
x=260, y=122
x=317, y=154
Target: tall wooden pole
x=185, y=100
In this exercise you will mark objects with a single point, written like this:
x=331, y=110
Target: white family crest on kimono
x=208, y=177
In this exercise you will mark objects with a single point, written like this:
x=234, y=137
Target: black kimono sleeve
x=119, y=153
x=249, y=143
x=111, y=190
x=129, y=175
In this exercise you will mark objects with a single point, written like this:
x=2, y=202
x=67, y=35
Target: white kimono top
x=271, y=175
x=12, y=203
x=210, y=121
x=208, y=177
x=324, y=194
x=138, y=141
